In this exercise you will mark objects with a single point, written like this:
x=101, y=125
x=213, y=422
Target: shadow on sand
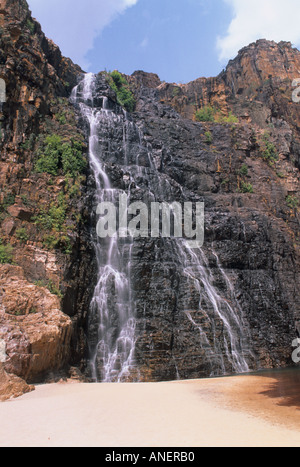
x=286, y=388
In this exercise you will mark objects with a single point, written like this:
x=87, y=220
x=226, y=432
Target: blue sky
x=180, y=40
x=173, y=38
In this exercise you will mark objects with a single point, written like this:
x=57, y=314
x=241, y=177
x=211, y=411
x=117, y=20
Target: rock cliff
x=246, y=172
x=40, y=209
x=242, y=161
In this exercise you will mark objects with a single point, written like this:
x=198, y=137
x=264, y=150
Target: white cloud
x=74, y=24
x=259, y=19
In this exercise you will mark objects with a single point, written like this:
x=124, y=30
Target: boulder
x=36, y=332
x=11, y=386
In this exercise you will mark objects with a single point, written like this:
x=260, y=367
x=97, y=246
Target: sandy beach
x=241, y=411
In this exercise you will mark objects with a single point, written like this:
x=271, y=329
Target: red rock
x=36, y=332
x=20, y=213
x=11, y=386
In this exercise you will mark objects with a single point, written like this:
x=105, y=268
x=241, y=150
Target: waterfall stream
x=112, y=310
x=234, y=345
x=112, y=314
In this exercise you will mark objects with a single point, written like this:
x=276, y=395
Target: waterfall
x=215, y=315
x=228, y=354
x=112, y=311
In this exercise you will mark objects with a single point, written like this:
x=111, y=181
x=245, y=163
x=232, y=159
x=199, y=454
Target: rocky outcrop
x=11, y=386
x=40, y=212
x=35, y=331
x=256, y=86
x=35, y=74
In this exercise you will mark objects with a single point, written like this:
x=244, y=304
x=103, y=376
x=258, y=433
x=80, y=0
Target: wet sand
x=273, y=396
x=243, y=411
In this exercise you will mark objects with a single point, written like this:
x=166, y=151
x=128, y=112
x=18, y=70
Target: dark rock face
x=251, y=236
x=233, y=305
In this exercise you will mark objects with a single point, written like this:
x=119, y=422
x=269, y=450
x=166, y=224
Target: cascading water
x=229, y=353
x=112, y=311
x=113, y=329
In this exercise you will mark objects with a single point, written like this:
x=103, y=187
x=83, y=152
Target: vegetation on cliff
x=119, y=84
x=213, y=115
x=56, y=156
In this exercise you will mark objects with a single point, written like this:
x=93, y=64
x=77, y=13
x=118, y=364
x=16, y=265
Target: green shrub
x=210, y=114
x=22, y=235
x=6, y=253
x=48, y=160
x=208, y=137
x=51, y=242
x=244, y=170
x=8, y=200
x=53, y=222
x=246, y=187
x=73, y=186
x=219, y=118
x=230, y=119
x=28, y=145
x=292, y=202
x=72, y=160
x=57, y=214
x=30, y=25
x=269, y=151
x=54, y=218
x=62, y=118
x=65, y=244
x=54, y=289
x=50, y=286
x=25, y=200
x=205, y=114
x=124, y=96
x=56, y=155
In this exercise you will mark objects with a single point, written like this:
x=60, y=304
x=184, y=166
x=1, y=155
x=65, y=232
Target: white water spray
x=112, y=308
